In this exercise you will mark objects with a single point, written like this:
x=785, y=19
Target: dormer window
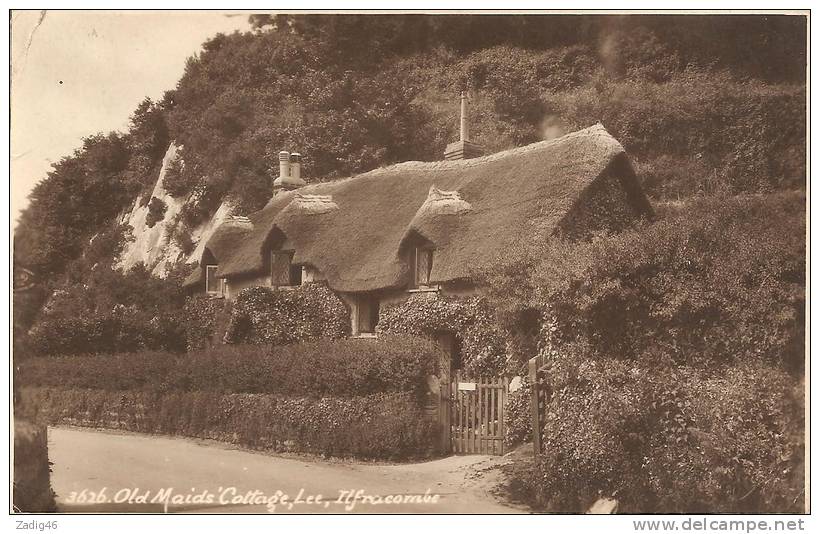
x=213, y=285
x=282, y=271
x=421, y=265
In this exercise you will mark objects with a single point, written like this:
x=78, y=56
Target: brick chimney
x=290, y=172
x=463, y=148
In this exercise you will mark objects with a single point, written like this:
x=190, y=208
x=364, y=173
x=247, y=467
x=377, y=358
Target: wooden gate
x=477, y=414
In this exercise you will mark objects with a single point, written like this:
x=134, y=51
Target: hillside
x=704, y=105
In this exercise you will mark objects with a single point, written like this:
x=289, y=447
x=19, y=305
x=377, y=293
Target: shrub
x=384, y=425
x=204, y=321
x=518, y=416
x=266, y=315
x=32, y=486
x=671, y=439
x=675, y=352
x=715, y=281
x=338, y=368
x=471, y=320
x=177, y=182
x=122, y=329
x=156, y=212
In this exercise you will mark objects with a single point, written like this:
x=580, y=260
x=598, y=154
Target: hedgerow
x=266, y=315
x=483, y=345
x=666, y=439
x=339, y=368
x=383, y=425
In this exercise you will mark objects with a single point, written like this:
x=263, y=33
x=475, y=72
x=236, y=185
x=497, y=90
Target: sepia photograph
x=410, y=262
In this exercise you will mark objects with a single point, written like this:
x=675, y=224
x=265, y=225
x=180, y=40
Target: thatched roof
x=471, y=210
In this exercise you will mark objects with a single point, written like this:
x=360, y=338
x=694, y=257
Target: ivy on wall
x=278, y=317
x=471, y=320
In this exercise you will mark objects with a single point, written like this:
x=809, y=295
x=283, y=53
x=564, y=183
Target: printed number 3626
x=87, y=497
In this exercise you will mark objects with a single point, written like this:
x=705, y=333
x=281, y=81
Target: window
x=282, y=272
x=421, y=264
x=295, y=275
x=367, y=315
x=213, y=285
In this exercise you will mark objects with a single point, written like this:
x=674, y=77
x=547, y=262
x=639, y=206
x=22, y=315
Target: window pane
x=280, y=269
x=367, y=314
x=295, y=275
x=414, y=265
x=211, y=281
x=423, y=264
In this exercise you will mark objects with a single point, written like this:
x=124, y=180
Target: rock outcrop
x=153, y=245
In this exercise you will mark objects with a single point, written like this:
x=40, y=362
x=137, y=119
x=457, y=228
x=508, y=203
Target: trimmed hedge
x=279, y=317
x=32, y=486
x=384, y=425
x=339, y=368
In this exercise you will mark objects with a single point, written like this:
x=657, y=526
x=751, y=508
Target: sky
x=76, y=73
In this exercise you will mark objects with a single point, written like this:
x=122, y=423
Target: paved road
x=125, y=472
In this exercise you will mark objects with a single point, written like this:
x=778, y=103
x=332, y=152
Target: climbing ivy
x=471, y=320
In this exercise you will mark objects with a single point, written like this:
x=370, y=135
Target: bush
x=675, y=350
x=518, y=416
x=714, y=281
x=122, y=329
x=32, y=486
x=667, y=439
x=204, y=320
x=156, y=212
x=278, y=317
x=340, y=368
x=384, y=425
x=471, y=320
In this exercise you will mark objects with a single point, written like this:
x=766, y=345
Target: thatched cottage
x=418, y=227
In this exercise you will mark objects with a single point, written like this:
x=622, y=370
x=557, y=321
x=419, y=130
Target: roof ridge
x=595, y=129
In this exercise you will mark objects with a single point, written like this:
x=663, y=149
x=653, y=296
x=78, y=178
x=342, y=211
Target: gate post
x=534, y=404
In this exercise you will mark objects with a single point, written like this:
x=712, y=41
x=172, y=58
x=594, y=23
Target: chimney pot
x=284, y=164
x=463, y=148
x=296, y=166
